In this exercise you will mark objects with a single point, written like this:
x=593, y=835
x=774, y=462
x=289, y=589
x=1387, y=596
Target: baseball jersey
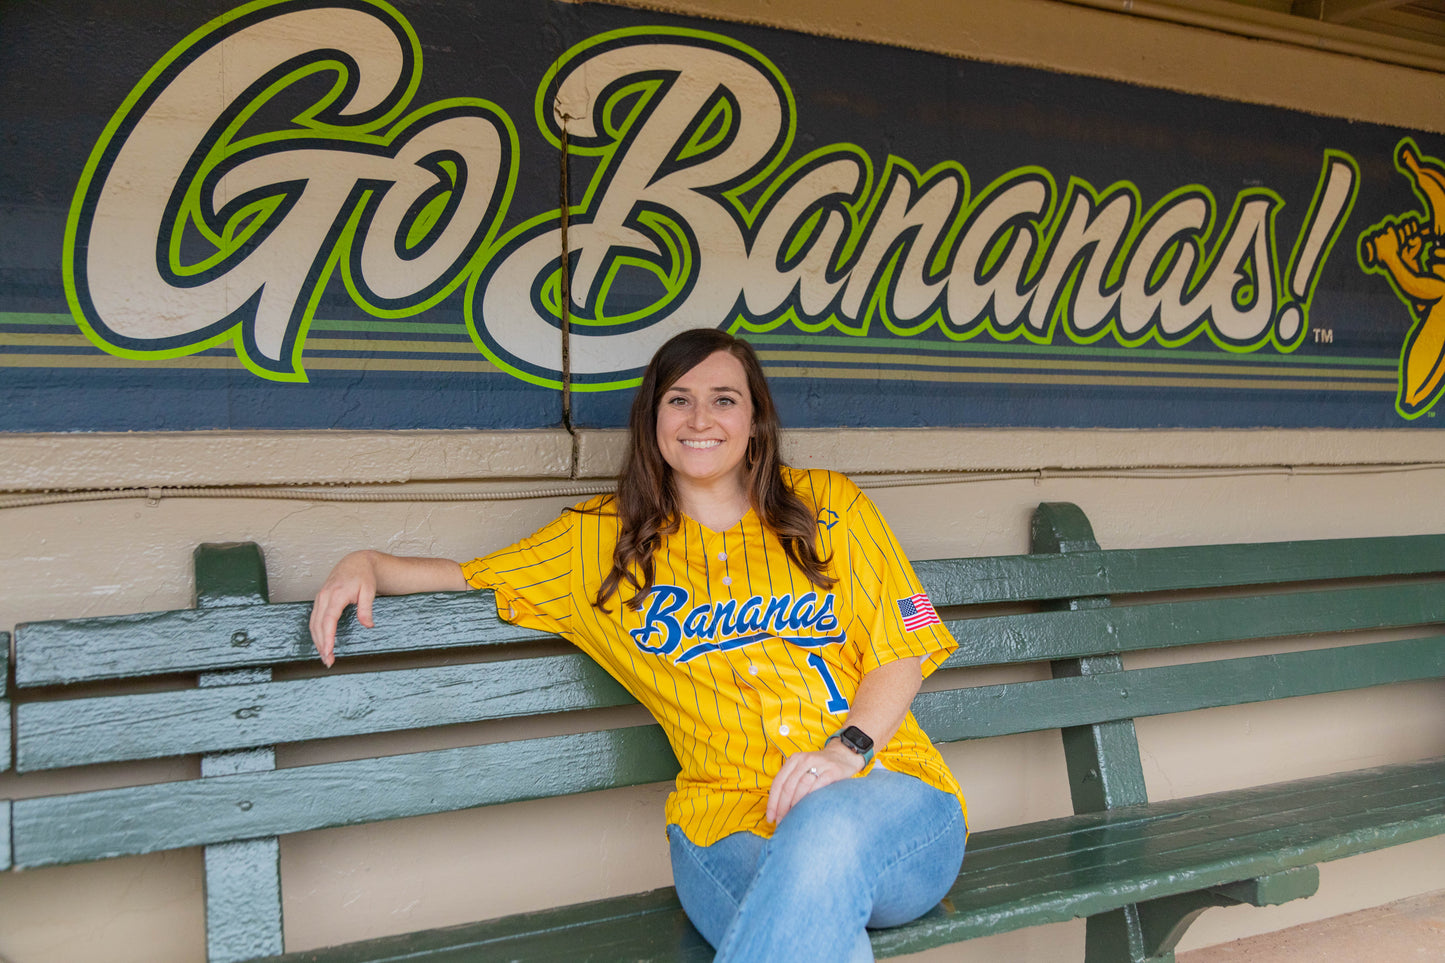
x=737, y=655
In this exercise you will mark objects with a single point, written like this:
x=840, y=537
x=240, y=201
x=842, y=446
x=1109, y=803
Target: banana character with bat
x=1408, y=250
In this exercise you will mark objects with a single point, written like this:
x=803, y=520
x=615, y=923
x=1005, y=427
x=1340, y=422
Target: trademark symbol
x=1324, y=335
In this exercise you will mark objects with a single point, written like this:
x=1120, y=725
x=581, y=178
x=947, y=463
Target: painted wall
x=347, y=214
x=1141, y=488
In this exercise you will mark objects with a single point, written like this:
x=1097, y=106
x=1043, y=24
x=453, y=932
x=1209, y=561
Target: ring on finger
x=813, y=771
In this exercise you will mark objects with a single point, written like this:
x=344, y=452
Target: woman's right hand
x=361, y=576
x=351, y=582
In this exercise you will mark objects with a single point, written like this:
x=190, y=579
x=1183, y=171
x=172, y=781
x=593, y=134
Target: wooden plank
x=999, y=909
x=1041, y=636
x=1090, y=842
x=233, y=637
x=142, y=819
x=621, y=929
x=979, y=712
x=242, y=878
x=6, y=754
x=5, y=860
x=74, y=732
x=1364, y=788
x=1143, y=859
x=243, y=900
x=1126, y=571
x=1204, y=848
x=51, y=653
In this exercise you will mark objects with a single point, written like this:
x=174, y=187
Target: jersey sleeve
x=892, y=615
x=531, y=579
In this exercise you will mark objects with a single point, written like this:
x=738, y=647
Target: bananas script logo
x=1408, y=250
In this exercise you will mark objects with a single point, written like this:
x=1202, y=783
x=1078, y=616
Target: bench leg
x=1148, y=932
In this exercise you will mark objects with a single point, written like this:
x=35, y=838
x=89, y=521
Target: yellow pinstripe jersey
x=739, y=657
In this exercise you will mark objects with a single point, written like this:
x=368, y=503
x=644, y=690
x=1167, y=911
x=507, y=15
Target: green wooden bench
x=5, y=746
x=1140, y=871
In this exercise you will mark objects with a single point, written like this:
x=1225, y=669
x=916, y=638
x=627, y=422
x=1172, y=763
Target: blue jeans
x=878, y=850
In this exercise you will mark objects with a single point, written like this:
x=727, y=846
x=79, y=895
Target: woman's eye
x=726, y=402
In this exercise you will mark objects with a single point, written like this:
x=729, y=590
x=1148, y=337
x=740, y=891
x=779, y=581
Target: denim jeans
x=877, y=850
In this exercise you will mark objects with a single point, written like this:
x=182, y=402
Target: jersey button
x=727, y=580
x=783, y=730
x=722, y=556
x=752, y=669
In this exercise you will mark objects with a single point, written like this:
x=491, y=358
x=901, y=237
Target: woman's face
x=704, y=421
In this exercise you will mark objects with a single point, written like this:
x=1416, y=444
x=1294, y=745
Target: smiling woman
x=769, y=621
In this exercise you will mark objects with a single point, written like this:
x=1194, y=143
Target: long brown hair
x=646, y=499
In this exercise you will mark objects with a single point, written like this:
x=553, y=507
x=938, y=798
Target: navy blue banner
x=348, y=214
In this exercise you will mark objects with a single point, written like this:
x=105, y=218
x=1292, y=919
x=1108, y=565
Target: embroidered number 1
x=836, y=702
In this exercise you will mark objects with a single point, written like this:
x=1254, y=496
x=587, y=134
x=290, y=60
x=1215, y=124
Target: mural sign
x=344, y=213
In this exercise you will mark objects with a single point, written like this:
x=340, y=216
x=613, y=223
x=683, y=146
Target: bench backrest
x=209, y=690
x=1176, y=597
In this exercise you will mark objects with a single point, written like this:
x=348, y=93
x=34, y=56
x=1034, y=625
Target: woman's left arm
x=879, y=706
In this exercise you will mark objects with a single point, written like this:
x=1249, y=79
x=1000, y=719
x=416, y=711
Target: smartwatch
x=856, y=740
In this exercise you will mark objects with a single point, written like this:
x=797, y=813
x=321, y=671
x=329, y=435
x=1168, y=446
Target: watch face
x=856, y=739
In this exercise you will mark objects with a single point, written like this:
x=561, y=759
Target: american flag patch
x=917, y=612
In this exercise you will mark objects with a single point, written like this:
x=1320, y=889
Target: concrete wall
x=960, y=493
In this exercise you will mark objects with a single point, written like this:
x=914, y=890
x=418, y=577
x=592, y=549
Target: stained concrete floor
x=1410, y=931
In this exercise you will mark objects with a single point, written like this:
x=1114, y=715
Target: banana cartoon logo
x=1406, y=249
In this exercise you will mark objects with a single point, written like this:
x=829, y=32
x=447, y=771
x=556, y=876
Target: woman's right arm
x=361, y=576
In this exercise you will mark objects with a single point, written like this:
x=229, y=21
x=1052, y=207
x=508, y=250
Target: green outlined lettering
x=695, y=215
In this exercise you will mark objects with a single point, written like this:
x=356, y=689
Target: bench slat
x=188, y=640
x=5, y=739
x=1363, y=792
x=619, y=929
x=1042, y=636
x=78, y=650
x=153, y=725
x=142, y=819
x=195, y=640
x=1127, y=571
x=979, y=712
x=1170, y=848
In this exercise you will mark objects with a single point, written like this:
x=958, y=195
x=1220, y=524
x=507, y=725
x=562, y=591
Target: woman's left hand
x=804, y=772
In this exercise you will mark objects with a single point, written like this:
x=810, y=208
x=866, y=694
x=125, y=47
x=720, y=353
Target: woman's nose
x=698, y=416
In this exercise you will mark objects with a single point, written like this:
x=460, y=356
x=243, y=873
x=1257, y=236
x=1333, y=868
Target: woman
x=768, y=620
